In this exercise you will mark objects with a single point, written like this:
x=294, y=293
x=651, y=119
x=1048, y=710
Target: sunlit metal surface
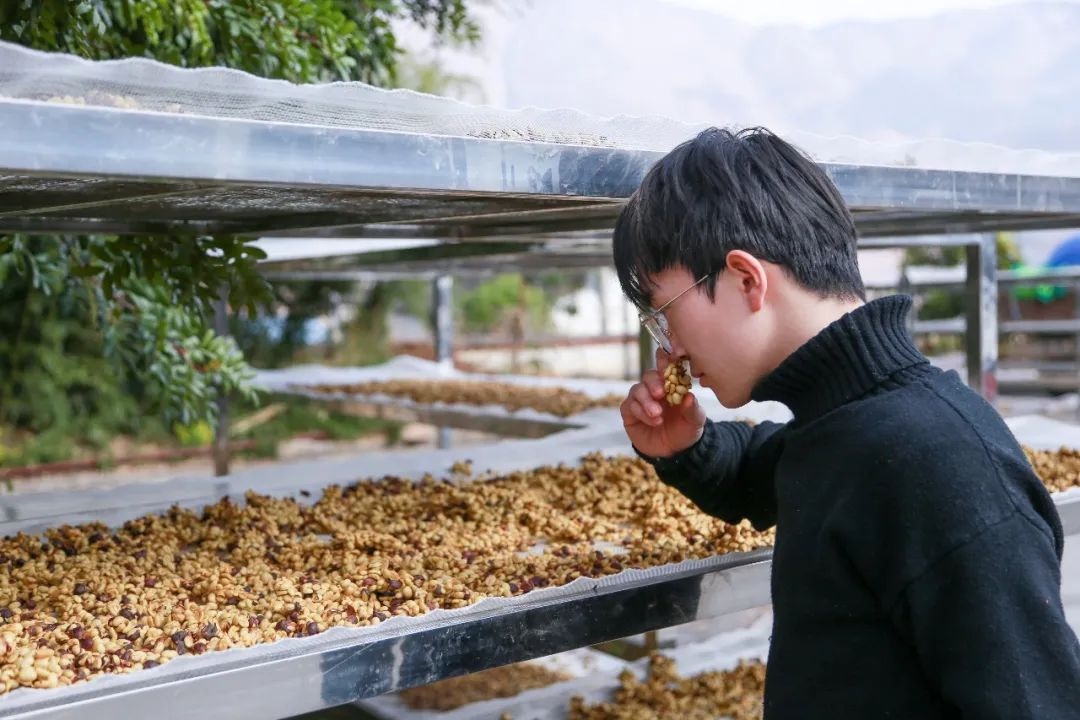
x=93, y=169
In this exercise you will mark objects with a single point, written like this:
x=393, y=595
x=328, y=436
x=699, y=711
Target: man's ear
x=750, y=276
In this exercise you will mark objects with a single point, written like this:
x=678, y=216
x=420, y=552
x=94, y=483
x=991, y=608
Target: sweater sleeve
x=987, y=624
x=728, y=473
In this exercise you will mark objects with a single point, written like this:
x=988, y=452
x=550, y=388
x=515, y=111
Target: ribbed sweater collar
x=848, y=359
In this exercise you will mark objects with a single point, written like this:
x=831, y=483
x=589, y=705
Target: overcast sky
x=821, y=12
x=502, y=16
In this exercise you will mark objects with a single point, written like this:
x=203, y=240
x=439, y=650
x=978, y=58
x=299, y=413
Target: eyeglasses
x=656, y=321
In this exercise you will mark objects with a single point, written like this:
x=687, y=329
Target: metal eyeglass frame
x=656, y=321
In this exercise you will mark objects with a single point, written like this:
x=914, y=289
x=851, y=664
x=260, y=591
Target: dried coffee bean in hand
x=676, y=382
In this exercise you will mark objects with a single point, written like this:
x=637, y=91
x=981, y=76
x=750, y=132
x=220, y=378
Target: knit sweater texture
x=917, y=566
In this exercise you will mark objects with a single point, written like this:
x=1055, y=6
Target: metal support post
x=442, y=311
x=1076, y=352
x=596, y=281
x=443, y=315
x=905, y=288
x=981, y=335
x=221, y=432
x=646, y=351
x=446, y=437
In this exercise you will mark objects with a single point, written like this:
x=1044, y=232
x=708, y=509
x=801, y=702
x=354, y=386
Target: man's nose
x=677, y=350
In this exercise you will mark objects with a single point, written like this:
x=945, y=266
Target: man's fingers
x=642, y=414
x=648, y=401
x=692, y=410
x=640, y=406
x=654, y=383
x=633, y=414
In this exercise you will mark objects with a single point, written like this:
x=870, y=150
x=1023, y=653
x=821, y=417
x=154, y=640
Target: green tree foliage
x=296, y=40
x=1008, y=254
x=427, y=75
x=273, y=339
x=134, y=311
x=50, y=386
x=86, y=350
x=493, y=303
x=366, y=338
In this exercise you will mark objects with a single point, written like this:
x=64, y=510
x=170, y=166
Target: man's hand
x=654, y=427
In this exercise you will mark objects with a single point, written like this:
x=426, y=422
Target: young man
x=916, y=572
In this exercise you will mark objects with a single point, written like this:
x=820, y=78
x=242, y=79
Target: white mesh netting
x=144, y=85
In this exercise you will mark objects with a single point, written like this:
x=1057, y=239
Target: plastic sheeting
x=141, y=85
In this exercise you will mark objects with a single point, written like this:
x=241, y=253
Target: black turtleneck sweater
x=917, y=571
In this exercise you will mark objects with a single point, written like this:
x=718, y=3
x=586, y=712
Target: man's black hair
x=724, y=191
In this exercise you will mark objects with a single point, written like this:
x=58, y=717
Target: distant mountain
x=1008, y=75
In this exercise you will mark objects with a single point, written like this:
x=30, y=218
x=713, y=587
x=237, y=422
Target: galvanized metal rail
x=68, y=168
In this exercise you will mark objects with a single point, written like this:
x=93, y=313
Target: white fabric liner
x=151, y=86
x=281, y=249
x=1042, y=433
x=36, y=511
x=405, y=367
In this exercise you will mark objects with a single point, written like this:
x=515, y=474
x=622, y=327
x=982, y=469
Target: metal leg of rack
x=221, y=432
x=443, y=316
x=646, y=351
x=1076, y=352
x=981, y=330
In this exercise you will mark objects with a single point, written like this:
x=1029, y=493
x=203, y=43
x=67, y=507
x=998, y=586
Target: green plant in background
x=491, y=305
x=1008, y=254
x=494, y=302
x=87, y=348
x=296, y=40
x=198, y=434
x=366, y=337
x=95, y=331
x=300, y=415
x=194, y=365
x=429, y=76
x=940, y=304
x=269, y=341
x=1008, y=251
x=55, y=379
x=275, y=342
x=414, y=297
